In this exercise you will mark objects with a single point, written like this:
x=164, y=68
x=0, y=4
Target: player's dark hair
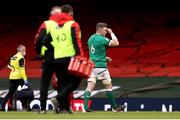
x=100, y=25
x=67, y=9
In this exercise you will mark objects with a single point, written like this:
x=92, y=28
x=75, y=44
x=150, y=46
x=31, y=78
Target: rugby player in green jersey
x=97, y=45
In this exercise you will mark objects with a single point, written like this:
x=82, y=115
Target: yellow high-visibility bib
x=61, y=39
x=17, y=71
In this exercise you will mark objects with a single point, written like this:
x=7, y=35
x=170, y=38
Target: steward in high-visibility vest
x=17, y=75
x=57, y=40
x=69, y=42
x=61, y=39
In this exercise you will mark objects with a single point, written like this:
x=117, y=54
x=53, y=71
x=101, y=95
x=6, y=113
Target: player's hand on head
x=108, y=59
x=109, y=30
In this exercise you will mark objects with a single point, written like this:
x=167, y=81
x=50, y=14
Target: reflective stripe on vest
x=61, y=39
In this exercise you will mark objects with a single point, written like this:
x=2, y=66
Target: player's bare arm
x=114, y=41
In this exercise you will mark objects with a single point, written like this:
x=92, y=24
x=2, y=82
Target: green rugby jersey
x=97, y=45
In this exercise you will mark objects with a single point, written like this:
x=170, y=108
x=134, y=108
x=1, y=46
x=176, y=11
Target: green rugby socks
x=87, y=95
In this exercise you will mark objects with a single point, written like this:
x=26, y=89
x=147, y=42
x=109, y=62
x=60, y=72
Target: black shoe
x=88, y=110
x=119, y=107
x=28, y=108
x=65, y=112
x=56, y=104
x=70, y=112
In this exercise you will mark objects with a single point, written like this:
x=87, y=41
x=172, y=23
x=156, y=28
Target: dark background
x=42, y=6
x=37, y=11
